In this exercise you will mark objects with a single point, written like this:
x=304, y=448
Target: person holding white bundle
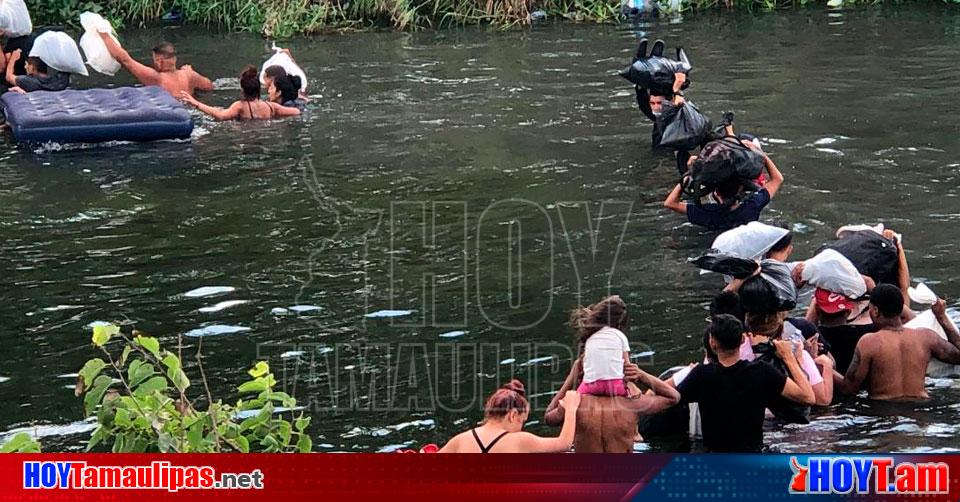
x=52, y=59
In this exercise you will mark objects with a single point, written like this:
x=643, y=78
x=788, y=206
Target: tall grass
x=283, y=18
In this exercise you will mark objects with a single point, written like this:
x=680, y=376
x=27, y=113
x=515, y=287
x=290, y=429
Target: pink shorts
x=604, y=388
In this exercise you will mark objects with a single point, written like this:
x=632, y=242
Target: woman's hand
x=187, y=99
x=570, y=401
x=786, y=350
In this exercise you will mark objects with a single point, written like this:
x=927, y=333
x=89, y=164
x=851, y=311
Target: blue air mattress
x=96, y=115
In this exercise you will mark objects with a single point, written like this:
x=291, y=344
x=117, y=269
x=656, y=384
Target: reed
x=285, y=18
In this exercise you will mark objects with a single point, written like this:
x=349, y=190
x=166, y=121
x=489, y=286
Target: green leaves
x=95, y=394
x=175, y=373
x=21, y=443
x=102, y=334
x=138, y=412
x=148, y=343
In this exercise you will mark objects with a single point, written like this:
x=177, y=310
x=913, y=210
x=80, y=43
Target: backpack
x=873, y=254
x=782, y=408
x=721, y=160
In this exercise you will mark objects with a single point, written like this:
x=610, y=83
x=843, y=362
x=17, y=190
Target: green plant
x=20, y=443
x=145, y=405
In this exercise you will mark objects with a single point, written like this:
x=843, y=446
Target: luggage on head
x=283, y=60
x=752, y=241
x=98, y=57
x=770, y=292
x=15, y=18
x=873, y=254
x=59, y=52
x=721, y=160
x=656, y=72
x=833, y=272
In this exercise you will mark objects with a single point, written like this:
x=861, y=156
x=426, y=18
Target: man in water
x=733, y=394
x=164, y=71
x=608, y=424
x=892, y=362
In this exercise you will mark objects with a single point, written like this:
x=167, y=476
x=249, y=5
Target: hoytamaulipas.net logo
x=158, y=475
x=868, y=475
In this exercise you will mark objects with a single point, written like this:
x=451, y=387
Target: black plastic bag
x=683, y=127
x=782, y=408
x=657, y=73
x=770, y=292
x=734, y=266
x=873, y=254
x=721, y=160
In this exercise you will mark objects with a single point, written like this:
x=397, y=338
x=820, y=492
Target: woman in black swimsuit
x=251, y=107
x=501, y=431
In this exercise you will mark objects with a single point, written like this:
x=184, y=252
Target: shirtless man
x=892, y=362
x=609, y=424
x=164, y=72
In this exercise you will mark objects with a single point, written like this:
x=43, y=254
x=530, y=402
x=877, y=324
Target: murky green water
x=485, y=181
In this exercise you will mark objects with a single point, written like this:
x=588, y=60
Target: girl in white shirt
x=599, y=331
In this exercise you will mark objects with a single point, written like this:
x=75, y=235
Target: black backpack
x=873, y=254
x=721, y=160
x=782, y=408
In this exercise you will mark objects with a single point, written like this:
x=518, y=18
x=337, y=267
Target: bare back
x=605, y=425
x=181, y=79
x=894, y=363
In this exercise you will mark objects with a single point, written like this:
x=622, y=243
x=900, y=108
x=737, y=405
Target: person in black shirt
x=733, y=394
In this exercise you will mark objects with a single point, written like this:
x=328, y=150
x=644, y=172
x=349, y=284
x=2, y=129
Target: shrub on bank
x=284, y=18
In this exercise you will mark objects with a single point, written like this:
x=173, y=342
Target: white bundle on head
x=59, y=52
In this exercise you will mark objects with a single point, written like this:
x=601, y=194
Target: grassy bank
x=283, y=18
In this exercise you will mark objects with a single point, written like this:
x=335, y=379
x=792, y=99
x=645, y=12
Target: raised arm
x=143, y=73
x=197, y=81
x=664, y=395
x=555, y=414
x=11, y=61
x=797, y=388
x=947, y=350
x=776, y=177
x=673, y=201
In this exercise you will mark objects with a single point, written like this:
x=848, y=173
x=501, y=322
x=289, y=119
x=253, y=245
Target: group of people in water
x=760, y=363
x=284, y=95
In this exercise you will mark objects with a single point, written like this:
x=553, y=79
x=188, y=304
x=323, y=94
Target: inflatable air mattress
x=96, y=115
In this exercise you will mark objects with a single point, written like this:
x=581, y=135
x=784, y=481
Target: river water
x=467, y=188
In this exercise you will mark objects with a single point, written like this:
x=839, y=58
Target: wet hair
x=39, y=64
x=729, y=189
x=250, y=83
x=781, y=244
x=888, y=299
x=727, y=302
x=766, y=324
x=727, y=331
x=512, y=396
x=611, y=311
x=165, y=49
x=289, y=87
x=274, y=72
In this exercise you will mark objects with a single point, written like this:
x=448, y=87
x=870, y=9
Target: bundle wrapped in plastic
x=833, y=272
x=752, y=241
x=873, y=254
x=721, y=160
x=282, y=59
x=682, y=127
x=657, y=73
x=59, y=52
x=726, y=264
x=770, y=292
x=935, y=368
x=15, y=18
x=98, y=57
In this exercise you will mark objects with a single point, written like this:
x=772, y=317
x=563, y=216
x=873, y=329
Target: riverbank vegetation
x=284, y=18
